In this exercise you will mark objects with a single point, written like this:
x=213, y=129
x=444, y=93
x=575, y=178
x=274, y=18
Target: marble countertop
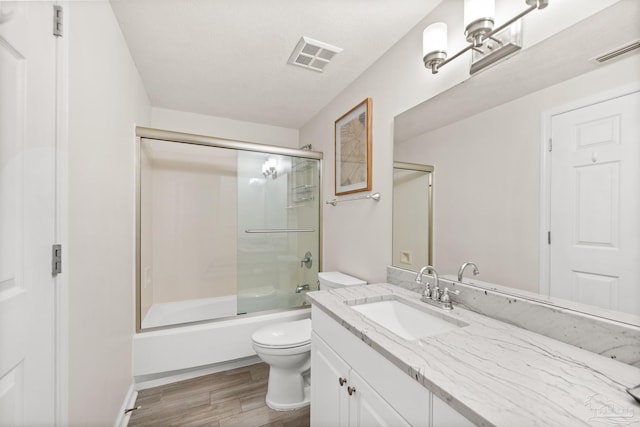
x=492, y=372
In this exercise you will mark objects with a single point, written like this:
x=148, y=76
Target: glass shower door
x=223, y=230
x=278, y=230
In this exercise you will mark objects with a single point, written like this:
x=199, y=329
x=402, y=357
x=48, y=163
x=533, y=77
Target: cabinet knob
x=342, y=381
x=351, y=390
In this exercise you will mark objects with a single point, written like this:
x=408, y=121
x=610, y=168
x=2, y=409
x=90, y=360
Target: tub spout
x=301, y=288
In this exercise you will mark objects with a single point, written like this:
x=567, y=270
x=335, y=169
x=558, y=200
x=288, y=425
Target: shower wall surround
x=619, y=340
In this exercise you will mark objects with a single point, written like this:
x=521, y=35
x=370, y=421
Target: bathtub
x=195, y=310
x=187, y=347
x=267, y=298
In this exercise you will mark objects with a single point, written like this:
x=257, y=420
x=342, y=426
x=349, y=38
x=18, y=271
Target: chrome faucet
x=301, y=288
x=435, y=297
x=465, y=265
x=428, y=293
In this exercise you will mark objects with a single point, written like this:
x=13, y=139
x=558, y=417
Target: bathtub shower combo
x=225, y=229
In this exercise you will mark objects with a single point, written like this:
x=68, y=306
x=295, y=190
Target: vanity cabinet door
x=329, y=382
x=340, y=397
x=368, y=409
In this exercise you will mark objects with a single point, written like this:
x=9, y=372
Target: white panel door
x=595, y=204
x=27, y=203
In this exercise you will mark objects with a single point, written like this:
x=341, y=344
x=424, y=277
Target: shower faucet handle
x=307, y=261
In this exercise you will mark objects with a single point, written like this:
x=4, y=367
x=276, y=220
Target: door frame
x=61, y=281
x=545, y=170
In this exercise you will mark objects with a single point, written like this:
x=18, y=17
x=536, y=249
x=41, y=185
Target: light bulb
x=434, y=46
x=434, y=38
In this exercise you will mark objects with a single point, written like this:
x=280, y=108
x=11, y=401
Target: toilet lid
x=285, y=334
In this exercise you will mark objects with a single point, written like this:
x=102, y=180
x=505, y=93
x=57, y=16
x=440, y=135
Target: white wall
x=357, y=235
x=106, y=99
x=200, y=124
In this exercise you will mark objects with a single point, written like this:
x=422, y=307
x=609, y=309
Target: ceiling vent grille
x=313, y=54
x=617, y=52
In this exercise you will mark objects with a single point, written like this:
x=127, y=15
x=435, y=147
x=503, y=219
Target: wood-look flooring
x=233, y=398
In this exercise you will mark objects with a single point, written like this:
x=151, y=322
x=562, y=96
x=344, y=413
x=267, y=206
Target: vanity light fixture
x=488, y=44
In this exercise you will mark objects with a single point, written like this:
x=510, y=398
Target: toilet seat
x=284, y=335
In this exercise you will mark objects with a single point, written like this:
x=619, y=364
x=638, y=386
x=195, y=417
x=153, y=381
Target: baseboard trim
x=129, y=402
x=143, y=382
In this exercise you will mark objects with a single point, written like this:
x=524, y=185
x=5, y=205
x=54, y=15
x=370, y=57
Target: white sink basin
x=404, y=320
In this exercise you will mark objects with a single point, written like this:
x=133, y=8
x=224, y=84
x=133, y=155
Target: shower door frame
x=207, y=141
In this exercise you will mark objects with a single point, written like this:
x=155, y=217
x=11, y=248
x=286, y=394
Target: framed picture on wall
x=353, y=150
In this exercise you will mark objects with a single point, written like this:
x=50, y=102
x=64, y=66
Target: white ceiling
x=228, y=58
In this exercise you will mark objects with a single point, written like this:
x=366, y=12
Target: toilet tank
x=335, y=279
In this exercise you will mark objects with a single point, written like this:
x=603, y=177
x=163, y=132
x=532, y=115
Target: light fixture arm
x=533, y=5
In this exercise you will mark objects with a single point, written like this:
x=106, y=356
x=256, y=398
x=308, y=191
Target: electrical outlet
x=406, y=257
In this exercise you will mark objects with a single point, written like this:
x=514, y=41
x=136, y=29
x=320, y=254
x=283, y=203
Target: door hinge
x=550, y=145
x=548, y=237
x=56, y=260
x=57, y=21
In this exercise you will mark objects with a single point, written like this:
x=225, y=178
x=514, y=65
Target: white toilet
x=285, y=347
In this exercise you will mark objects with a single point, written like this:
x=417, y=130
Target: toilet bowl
x=285, y=347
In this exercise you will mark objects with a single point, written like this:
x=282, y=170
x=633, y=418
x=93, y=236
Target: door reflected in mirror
x=412, y=215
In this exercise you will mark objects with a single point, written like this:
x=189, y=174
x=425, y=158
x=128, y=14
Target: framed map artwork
x=353, y=150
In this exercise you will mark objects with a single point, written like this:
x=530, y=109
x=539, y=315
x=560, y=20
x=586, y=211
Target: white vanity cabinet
x=381, y=394
x=341, y=397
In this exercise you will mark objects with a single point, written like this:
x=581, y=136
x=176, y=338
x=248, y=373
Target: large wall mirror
x=495, y=201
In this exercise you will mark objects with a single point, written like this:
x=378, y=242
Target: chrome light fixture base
x=497, y=47
x=433, y=60
x=478, y=30
x=539, y=4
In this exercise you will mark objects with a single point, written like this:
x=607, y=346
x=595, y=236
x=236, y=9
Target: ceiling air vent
x=617, y=52
x=312, y=54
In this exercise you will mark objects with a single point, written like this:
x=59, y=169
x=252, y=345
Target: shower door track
x=189, y=138
x=281, y=230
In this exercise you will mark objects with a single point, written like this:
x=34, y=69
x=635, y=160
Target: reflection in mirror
x=412, y=215
x=494, y=198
